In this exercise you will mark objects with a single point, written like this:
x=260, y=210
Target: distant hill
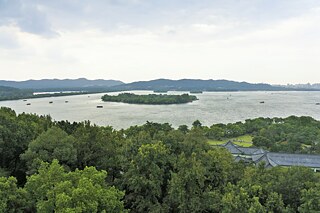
x=10, y=93
x=57, y=83
x=8, y=89
x=196, y=85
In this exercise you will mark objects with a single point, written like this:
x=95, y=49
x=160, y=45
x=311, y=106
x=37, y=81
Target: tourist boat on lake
x=160, y=91
x=196, y=92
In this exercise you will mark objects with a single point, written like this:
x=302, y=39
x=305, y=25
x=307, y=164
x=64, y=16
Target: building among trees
x=272, y=159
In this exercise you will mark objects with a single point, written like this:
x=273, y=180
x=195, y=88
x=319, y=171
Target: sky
x=271, y=41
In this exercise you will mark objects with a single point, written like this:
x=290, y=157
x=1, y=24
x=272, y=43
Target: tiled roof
x=232, y=148
x=285, y=159
x=235, y=149
x=251, y=151
x=258, y=155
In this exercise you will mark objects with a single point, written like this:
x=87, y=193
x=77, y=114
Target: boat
x=24, y=100
x=99, y=106
x=66, y=101
x=50, y=102
x=196, y=92
x=28, y=104
x=160, y=91
x=261, y=102
x=317, y=103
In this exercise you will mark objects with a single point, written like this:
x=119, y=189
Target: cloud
x=252, y=40
x=26, y=15
x=8, y=40
x=46, y=18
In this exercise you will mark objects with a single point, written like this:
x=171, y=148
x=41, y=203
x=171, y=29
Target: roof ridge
x=314, y=155
x=271, y=161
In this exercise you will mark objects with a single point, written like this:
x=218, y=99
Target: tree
x=146, y=179
x=186, y=190
x=100, y=147
x=12, y=198
x=16, y=132
x=260, y=141
x=274, y=203
x=235, y=199
x=310, y=200
x=54, y=189
x=215, y=132
x=194, y=142
x=52, y=144
x=218, y=164
x=196, y=124
x=183, y=128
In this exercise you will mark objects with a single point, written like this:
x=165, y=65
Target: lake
x=212, y=107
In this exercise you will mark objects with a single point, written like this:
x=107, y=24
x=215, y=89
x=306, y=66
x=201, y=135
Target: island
x=154, y=99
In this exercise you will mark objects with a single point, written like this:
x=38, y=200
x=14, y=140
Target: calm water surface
x=212, y=107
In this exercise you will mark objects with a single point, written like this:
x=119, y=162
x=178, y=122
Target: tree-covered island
x=149, y=99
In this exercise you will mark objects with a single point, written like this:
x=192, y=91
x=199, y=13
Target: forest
x=10, y=93
x=150, y=98
x=61, y=166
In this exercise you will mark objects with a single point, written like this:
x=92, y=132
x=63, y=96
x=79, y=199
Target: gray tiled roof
x=285, y=159
x=232, y=148
x=251, y=151
x=235, y=149
x=272, y=159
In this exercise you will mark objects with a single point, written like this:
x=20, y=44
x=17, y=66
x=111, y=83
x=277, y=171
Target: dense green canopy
x=48, y=166
x=149, y=99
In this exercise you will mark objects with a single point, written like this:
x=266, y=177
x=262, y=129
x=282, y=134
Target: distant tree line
x=50, y=166
x=149, y=99
x=9, y=93
x=293, y=134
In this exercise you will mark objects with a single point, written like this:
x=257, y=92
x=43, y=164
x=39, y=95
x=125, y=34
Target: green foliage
x=292, y=134
x=183, y=128
x=146, y=177
x=52, y=144
x=243, y=141
x=16, y=132
x=196, y=124
x=310, y=200
x=10, y=93
x=12, y=198
x=54, y=189
x=156, y=167
x=186, y=187
x=149, y=99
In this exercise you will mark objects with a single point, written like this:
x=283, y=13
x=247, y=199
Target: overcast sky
x=272, y=41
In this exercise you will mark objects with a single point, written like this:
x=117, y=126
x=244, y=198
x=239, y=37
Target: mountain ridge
x=196, y=84
x=60, y=83
x=161, y=84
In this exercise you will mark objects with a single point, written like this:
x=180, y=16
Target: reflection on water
x=212, y=107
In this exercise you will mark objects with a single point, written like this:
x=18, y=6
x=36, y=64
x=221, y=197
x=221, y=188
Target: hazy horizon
x=151, y=80
x=274, y=42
